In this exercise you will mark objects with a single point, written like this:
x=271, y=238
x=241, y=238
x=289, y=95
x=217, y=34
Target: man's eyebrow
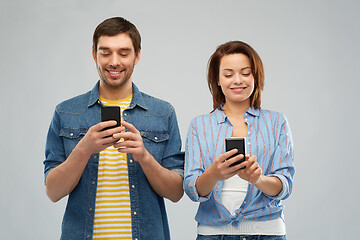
x=125, y=49
x=104, y=48
x=121, y=49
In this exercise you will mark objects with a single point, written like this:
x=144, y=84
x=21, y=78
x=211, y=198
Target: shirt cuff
x=285, y=187
x=191, y=191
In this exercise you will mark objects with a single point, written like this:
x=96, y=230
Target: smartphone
x=111, y=113
x=239, y=144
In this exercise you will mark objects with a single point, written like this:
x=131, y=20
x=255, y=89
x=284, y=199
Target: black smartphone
x=111, y=113
x=239, y=144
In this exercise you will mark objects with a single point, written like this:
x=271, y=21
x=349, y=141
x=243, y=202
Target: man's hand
x=166, y=183
x=96, y=140
x=62, y=180
x=131, y=142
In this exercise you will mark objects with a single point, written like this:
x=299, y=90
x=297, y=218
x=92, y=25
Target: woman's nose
x=237, y=78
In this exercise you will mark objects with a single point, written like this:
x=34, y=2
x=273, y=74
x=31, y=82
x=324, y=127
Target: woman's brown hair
x=257, y=69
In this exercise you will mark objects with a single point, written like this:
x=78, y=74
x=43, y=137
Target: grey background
x=310, y=51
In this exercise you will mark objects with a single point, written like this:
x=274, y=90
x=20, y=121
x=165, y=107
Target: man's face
x=115, y=59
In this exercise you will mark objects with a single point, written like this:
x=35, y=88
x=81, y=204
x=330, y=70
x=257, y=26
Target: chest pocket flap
x=155, y=136
x=72, y=133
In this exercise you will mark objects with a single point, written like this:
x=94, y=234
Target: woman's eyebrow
x=245, y=68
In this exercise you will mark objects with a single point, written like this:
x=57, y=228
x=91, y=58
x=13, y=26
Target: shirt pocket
x=71, y=137
x=155, y=143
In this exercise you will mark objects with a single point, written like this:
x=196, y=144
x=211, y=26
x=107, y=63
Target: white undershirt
x=233, y=194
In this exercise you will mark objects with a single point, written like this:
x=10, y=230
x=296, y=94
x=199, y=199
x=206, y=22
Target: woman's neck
x=232, y=109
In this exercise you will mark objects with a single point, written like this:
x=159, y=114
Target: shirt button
x=93, y=183
x=88, y=236
x=156, y=138
x=136, y=239
x=90, y=209
x=131, y=160
x=125, y=114
x=133, y=186
x=71, y=134
x=134, y=213
x=95, y=156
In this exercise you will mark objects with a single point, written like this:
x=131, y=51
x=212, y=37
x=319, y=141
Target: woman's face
x=236, y=79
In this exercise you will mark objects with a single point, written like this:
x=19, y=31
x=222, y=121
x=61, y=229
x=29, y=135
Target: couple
x=116, y=179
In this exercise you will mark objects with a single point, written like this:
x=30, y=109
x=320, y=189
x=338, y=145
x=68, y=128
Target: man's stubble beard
x=124, y=81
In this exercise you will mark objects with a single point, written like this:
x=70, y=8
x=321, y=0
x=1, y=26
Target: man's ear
x=137, y=59
x=94, y=56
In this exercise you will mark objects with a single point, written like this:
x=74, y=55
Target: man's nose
x=115, y=60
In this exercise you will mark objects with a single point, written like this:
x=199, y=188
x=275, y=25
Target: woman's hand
x=269, y=185
x=220, y=169
x=252, y=172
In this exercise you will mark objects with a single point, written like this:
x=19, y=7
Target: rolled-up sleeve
x=54, y=149
x=283, y=165
x=173, y=158
x=194, y=166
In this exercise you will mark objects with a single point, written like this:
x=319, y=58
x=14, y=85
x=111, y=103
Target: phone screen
x=239, y=144
x=111, y=113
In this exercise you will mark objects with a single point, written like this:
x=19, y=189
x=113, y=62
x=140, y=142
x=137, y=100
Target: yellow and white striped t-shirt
x=112, y=206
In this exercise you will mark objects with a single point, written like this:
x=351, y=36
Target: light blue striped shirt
x=269, y=138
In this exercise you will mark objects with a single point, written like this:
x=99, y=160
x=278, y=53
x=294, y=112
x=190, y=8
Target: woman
x=240, y=201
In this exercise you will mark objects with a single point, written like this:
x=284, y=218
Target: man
x=115, y=178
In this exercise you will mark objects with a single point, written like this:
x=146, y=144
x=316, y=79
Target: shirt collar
x=221, y=117
x=136, y=100
x=94, y=95
x=254, y=112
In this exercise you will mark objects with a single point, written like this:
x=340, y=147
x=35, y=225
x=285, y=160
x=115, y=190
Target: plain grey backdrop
x=310, y=51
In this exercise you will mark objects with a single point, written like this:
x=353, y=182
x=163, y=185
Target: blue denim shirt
x=157, y=123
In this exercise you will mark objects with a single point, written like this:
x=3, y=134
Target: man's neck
x=112, y=93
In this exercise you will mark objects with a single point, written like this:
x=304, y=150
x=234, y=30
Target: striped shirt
x=112, y=206
x=269, y=138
